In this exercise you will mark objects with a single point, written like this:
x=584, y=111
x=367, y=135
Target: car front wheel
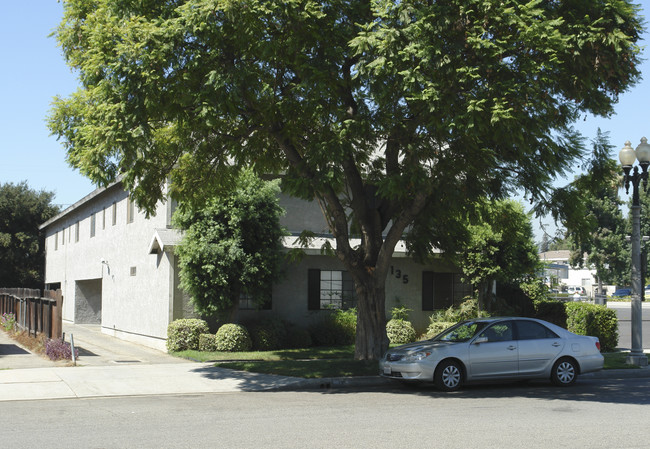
x=565, y=372
x=449, y=376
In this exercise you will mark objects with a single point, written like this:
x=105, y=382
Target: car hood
x=419, y=346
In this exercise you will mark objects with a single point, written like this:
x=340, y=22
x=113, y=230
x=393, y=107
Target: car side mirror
x=480, y=340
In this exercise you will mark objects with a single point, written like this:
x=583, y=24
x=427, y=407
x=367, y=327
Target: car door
x=538, y=347
x=493, y=353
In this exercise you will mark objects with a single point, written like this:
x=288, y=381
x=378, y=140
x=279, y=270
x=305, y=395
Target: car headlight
x=416, y=356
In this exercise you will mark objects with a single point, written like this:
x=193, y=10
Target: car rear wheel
x=565, y=372
x=449, y=376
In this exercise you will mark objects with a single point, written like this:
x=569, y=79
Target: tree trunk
x=371, y=340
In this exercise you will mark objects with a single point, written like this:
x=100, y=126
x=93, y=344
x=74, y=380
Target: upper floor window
x=114, y=214
x=130, y=210
x=92, y=224
x=76, y=232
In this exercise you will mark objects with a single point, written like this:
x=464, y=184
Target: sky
x=34, y=71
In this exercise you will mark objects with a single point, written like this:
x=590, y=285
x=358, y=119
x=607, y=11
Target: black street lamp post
x=627, y=157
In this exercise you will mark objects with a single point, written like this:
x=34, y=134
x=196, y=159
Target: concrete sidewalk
x=108, y=366
x=132, y=380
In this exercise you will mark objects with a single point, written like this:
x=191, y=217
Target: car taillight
x=598, y=345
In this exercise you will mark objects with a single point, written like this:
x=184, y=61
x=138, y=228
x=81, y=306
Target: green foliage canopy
x=22, y=246
x=601, y=235
x=232, y=245
x=500, y=245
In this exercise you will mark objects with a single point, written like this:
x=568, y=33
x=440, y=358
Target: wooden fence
x=35, y=312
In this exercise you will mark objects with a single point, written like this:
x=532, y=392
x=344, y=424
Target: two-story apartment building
x=117, y=269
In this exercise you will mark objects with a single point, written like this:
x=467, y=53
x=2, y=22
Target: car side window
x=498, y=332
x=532, y=330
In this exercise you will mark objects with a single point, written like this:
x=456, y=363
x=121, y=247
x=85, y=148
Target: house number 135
x=398, y=275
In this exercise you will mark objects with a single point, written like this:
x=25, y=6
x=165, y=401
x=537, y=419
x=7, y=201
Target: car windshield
x=461, y=332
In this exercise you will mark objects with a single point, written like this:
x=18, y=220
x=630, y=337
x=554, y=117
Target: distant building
x=557, y=267
x=117, y=269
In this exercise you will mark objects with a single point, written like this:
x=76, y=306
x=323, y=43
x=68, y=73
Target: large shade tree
x=22, y=245
x=599, y=240
x=393, y=115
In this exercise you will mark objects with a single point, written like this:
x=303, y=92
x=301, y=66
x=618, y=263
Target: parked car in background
x=495, y=348
x=573, y=289
x=622, y=292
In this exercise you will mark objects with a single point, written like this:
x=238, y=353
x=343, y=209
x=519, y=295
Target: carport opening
x=88, y=302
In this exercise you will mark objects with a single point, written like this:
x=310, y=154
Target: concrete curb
x=377, y=381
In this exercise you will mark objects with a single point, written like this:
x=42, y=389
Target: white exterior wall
x=139, y=307
x=135, y=306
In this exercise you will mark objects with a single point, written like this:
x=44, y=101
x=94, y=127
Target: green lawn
x=319, y=362
x=309, y=363
x=338, y=352
x=616, y=360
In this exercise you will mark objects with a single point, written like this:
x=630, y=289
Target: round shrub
x=233, y=338
x=269, y=334
x=184, y=334
x=207, y=342
x=400, y=331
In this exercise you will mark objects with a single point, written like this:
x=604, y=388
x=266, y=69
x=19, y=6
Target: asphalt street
x=624, y=314
x=595, y=413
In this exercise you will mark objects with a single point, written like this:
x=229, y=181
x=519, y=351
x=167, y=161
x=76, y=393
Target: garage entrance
x=88, y=302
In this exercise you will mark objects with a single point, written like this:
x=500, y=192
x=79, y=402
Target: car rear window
x=532, y=330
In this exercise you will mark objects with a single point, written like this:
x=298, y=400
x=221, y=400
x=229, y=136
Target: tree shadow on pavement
x=617, y=391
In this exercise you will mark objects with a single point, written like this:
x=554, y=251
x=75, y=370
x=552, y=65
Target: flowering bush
x=59, y=350
x=8, y=322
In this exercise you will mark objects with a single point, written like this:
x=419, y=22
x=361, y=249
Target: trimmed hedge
x=268, y=334
x=298, y=337
x=338, y=328
x=552, y=311
x=184, y=334
x=207, y=342
x=233, y=338
x=595, y=320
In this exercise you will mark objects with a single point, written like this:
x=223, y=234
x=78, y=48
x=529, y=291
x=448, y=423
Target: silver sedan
x=495, y=348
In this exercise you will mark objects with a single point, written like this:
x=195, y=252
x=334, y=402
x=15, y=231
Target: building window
x=330, y=289
x=76, y=232
x=56, y=241
x=92, y=225
x=103, y=218
x=443, y=290
x=130, y=210
x=246, y=302
x=461, y=289
x=62, y=236
x=114, y=207
x=133, y=271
